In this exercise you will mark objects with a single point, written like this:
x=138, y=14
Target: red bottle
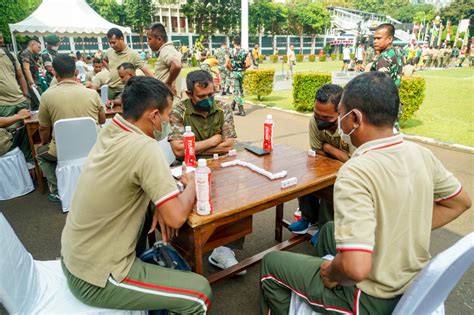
x=268, y=133
x=189, y=147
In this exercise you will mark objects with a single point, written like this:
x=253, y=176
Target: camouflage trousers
x=224, y=75
x=237, y=80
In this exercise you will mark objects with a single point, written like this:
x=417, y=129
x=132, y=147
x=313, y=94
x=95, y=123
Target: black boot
x=241, y=111
x=233, y=105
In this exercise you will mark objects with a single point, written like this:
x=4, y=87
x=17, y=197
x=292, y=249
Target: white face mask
x=55, y=48
x=345, y=137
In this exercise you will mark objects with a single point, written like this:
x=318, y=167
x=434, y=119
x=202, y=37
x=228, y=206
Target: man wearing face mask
x=48, y=55
x=324, y=138
x=387, y=200
x=124, y=170
x=212, y=123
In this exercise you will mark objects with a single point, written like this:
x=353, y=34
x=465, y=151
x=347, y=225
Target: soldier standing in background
x=224, y=75
x=238, y=62
x=48, y=55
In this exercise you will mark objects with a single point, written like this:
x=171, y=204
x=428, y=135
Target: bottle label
x=203, y=193
x=268, y=137
x=189, y=155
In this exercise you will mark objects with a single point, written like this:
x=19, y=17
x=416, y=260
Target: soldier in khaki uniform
x=67, y=99
x=212, y=123
x=13, y=96
x=324, y=138
x=168, y=64
x=387, y=199
x=117, y=54
x=125, y=169
x=98, y=76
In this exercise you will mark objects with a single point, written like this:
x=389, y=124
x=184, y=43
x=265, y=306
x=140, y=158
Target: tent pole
x=71, y=43
x=101, y=46
x=131, y=41
x=14, y=42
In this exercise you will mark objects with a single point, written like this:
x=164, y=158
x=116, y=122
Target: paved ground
x=38, y=223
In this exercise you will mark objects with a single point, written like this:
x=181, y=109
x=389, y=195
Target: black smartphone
x=257, y=151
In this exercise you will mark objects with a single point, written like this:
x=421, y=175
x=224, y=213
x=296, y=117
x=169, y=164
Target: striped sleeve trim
x=454, y=194
x=354, y=247
x=166, y=198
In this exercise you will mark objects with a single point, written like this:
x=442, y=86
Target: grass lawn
x=447, y=113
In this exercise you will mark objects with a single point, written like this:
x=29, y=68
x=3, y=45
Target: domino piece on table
x=311, y=153
x=215, y=156
x=232, y=152
x=226, y=164
x=289, y=182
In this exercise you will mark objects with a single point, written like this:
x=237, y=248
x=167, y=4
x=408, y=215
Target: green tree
x=138, y=15
x=14, y=12
x=337, y=3
x=109, y=10
x=458, y=10
x=375, y=6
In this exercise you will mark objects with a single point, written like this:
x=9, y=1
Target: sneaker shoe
x=300, y=226
x=223, y=258
x=240, y=113
x=54, y=198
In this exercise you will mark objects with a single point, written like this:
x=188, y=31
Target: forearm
x=29, y=77
x=147, y=71
x=182, y=207
x=45, y=134
x=224, y=147
x=22, y=82
x=448, y=210
x=203, y=146
x=8, y=121
x=350, y=268
x=336, y=153
x=175, y=69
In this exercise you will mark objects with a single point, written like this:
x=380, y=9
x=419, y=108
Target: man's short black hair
x=236, y=40
x=158, y=30
x=329, y=93
x=375, y=95
x=127, y=66
x=114, y=31
x=97, y=60
x=141, y=93
x=388, y=27
x=203, y=78
x=64, y=66
x=33, y=39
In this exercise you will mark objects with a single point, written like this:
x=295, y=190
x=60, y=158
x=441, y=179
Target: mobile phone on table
x=257, y=151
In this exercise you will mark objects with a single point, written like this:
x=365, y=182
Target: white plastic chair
x=75, y=138
x=168, y=152
x=431, y=287
x=16, y=180
x=104, y=93
x=29, y=286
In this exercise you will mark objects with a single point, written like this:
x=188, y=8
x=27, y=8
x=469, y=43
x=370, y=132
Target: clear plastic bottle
x=202, y=178
x=268, y=133
x=189, y=147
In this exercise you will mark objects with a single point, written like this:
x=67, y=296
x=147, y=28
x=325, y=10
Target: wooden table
x=32, y=128
x=237, y=193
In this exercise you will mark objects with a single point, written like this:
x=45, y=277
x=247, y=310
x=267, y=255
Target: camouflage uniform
x=370, y=53
x=237, y=59
x=220, y=120
x=222, y=55
x=390, y=61
x=32, y=59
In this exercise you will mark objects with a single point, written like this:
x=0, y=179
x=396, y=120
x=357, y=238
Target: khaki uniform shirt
x=319, y=137
x=67, y=99
x=115, y=59
x=383, y=204
x=123, y=172
x=219, y=121
x=89, y=76
x=101, y=78
x=5, y=141
x=166, y=54
x=10, y=92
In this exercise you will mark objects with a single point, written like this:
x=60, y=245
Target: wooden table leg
x=39, y=175
x=198, y=251
x=279, y=223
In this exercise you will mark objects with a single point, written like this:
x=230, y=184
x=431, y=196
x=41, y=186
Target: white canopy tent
x=64, y=18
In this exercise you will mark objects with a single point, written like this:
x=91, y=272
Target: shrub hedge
x=333, y=57
x=412, y=94
x=261, y=58
x=258, y=82
x=274, y=58
x=299, y=58
x=305, y=85
x=322, y=57
x=312, y=58
x=285, y=58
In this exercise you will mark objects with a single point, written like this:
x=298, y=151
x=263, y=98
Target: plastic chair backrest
x=75, y=137
x=104, y=93
x=19, y=283
x=168, y=152
x=433, y=284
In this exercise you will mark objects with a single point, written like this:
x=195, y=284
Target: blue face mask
x=205, y=105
